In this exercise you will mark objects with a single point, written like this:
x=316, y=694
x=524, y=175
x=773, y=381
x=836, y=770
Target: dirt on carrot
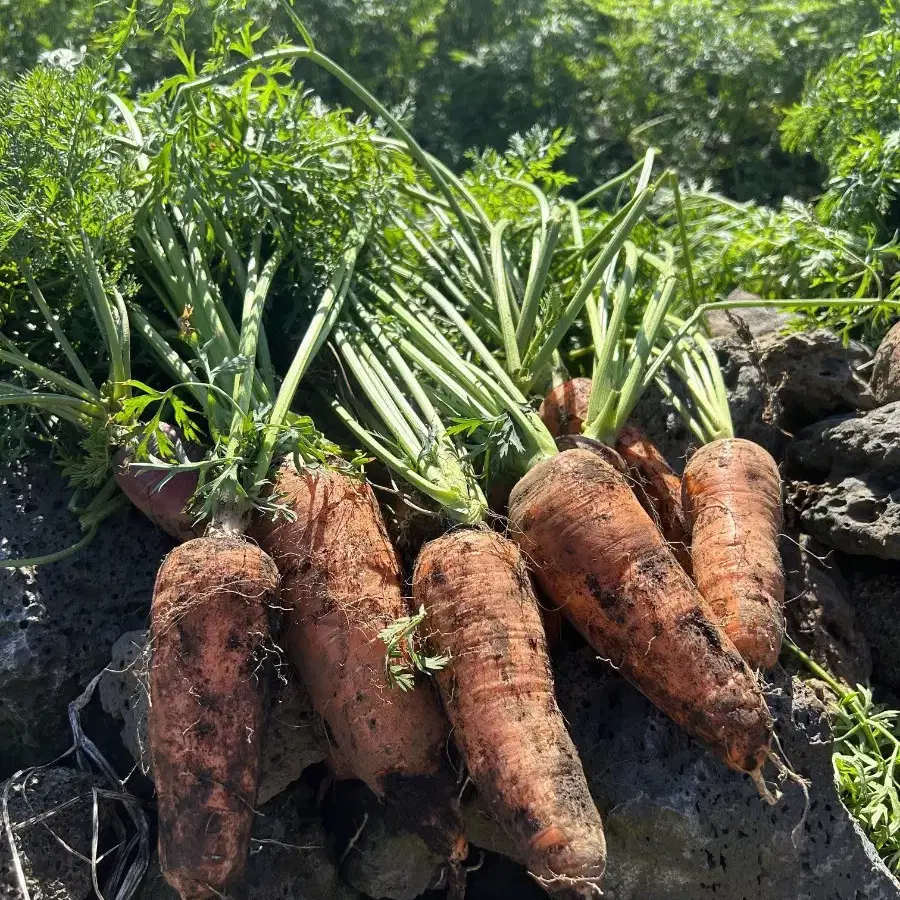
x=732, y=495
x=498, y=692
x=341, y=586
x=597, y=554
x=564, y=411
x=209, y=631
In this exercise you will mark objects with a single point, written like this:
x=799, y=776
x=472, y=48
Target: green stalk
x=380, y=397
x=636, y=362
x=542, y=258
x=427, y=458
x=700, y=430
x=176, y=366
x=504, y=307
x=439, y=355
x=469, y=513
x=393, y=394
x=51, y=557
x=494, y=381
x=608, y=185
x=685, y=246
x=323, y=320
x=104, y=311
x=257, y=289
x=73, y=409
x=176, y=271
x=125, y=338
x=450, y=283
x=398, y=363
x=471, y=337
x=14, y=358
x=462, y=245
x=219, y=321
x=239, y=269
x=466, y=392
x=74, y=360
x=634, y=212
x=846, y=697
x=602, y=382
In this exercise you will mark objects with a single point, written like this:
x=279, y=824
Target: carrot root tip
x=763, y=789
x=785, y=772
x=455, y=875
x=587, y=888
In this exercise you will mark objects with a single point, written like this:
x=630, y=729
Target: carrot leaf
x=404, y=655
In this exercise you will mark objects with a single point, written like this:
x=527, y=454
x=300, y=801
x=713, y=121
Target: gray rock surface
x=295, y=735
x=854, y=514
x=377, y=857
x=814, y=375
x=820, y=616
x=679, y=824
x=289, y=857
x=757, y=320
x=851, y=443
x=874, y=589
x=847, y=492
x=51, y=871
x=58, y=622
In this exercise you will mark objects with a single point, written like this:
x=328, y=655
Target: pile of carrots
x=434, y=332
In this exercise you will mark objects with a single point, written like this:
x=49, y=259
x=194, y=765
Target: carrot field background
x=789, y=109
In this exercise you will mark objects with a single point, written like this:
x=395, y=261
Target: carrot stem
x=846, y=697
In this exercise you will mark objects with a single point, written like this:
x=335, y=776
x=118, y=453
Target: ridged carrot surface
x=732, y=494
x=498, y=692
x=209, y=628
x=597, y=554
x=341, y=585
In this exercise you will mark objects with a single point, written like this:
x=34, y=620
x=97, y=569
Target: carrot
x=498, y=692
x=658, y=488
x=732, y=494
x=208, y=627
x=597, y=554
x=886, y=371
x=564, y=409
x=161, y=496
x=341, y=585
x=476, y=589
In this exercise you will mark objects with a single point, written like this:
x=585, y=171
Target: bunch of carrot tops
x=193, y=273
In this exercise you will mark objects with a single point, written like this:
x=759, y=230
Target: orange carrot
x=658, y=488
x=498, y=692
x=564, y=412
x=565, y=407
x=341, y=585
x=161, y=496
x=209, y=620
x=732, y=494
x=598, y=555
